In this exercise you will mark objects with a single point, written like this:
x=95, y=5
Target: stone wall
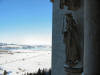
x=58, y=45
x=58, y=48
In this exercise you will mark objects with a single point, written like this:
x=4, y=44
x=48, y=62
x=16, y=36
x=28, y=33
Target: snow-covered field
x=18, y=62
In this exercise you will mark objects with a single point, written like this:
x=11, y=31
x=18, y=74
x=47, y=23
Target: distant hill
x=6, y=46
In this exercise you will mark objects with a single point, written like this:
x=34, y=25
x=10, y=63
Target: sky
x=26, y=21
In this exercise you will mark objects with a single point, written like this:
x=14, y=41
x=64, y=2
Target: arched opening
x=25, y=36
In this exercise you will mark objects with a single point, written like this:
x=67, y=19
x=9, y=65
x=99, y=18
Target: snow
x=18, y=62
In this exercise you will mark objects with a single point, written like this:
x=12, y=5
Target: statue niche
x=71, y=37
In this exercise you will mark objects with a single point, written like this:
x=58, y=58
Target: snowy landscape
x=20, y=59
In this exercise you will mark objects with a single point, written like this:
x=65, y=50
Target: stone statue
x=71, y=38
x=73, y=48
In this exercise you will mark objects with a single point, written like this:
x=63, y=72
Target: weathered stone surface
x=59, y=49
x=92, y=38
x=73, y=4
x=71, y=36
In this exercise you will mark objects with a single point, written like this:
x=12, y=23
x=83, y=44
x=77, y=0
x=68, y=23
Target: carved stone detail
x=71, y=37
x=72, y=4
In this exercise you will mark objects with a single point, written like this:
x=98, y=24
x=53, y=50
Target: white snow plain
x=19, y=62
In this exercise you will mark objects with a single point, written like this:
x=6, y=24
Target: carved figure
x=71, y=37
